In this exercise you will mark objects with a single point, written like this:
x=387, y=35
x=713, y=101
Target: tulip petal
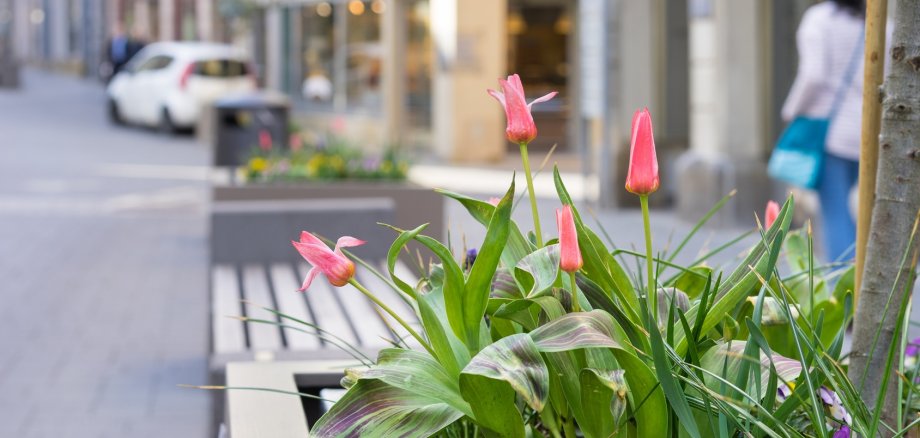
x=311, y=274
x=497, y=95
x=348, y=241
x=319, y=256
x=310, y=239
x=543, y=99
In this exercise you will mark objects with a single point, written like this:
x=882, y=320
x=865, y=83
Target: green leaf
x=479, y=284
x=516, y=361
x=646, y=397
x=374, y=408
x=393, y=254
x=450, y=350
x=517, y=248
x=453, y=286
x=599, y=265
x=693, y=281
x=594, y=329
x=493, y=406
x=672, y=391
x=418, y=373
x=603, y=398
x=542, y=267
x=759, y=263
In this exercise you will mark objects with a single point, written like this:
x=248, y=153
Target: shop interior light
x=324, y=9
x=356, y=7
x=378, y=6
x=37, y=16
x=516, y=24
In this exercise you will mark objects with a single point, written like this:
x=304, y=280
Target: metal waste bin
x=238, y=121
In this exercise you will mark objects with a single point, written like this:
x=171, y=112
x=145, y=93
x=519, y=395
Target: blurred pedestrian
x=117, y=50
x=829, y=85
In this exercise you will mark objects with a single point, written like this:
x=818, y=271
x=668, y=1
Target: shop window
x=363, y=51
x=317, y=55
x=538, y=50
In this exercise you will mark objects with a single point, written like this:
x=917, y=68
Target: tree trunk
x=897, y=201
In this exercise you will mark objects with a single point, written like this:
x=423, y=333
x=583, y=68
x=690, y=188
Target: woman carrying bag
x=820, y=148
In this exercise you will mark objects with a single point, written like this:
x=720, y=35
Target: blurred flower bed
x=329, y=159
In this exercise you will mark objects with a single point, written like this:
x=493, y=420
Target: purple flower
x=470, y=259
x=783, y=392
x=913, y=347
x=834, y=405
x=371, y=164
x=843, y=432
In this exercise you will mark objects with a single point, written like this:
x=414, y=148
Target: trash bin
x=238, y=121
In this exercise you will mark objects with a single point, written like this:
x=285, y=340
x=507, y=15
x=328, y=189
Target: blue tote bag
x=798, y=156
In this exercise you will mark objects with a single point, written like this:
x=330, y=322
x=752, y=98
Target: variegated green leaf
x=416, y=372
x=594, y=329
x=504, y=286
x=667, y=296
x=515, y=360
x=537, y=272
x=375, y=409
x=731, y=357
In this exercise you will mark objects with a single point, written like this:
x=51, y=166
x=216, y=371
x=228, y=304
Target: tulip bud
x=642, y=176
x=771, y=214
x=265, y=140
x=520, y=127
x=569, y=254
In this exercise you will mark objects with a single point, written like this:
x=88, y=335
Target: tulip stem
x=652, y=296
x=576, y=307
x=398, y=319
x=533, y=198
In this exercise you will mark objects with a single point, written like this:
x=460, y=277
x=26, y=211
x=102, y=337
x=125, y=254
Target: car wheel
x=115, y=114
x=166, y=125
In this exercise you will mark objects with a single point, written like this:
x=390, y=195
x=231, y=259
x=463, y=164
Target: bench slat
x=262, y=336
x=228, y=332
x=363, y=314
x=385, y=293
x=292, y=303
x=328, y=313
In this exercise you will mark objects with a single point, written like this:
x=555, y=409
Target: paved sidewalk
x=104, y=305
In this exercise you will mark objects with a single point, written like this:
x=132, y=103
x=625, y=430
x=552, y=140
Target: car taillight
x=183, y=80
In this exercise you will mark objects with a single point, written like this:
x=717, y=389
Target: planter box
x=252, y=414
x=414, y=205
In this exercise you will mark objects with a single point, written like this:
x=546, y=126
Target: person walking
x=828, y=84
x=118, y=49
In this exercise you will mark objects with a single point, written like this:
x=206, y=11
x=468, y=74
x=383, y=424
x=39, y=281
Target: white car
x=167, y=84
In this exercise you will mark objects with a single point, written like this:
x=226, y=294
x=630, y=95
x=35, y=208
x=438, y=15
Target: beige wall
x=470, y=45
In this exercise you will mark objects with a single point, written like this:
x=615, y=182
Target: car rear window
x=221, y=68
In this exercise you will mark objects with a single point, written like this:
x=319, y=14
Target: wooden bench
x=254, y=265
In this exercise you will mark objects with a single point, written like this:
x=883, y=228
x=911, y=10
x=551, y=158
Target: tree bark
x=897, y=201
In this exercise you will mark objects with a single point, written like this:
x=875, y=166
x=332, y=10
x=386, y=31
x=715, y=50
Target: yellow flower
x=314, y=164
x=258, y=164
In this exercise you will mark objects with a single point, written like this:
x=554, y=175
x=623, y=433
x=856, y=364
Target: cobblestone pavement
x=103, y=306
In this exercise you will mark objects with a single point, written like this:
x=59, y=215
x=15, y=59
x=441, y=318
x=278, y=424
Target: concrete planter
x=412, y=205
x=251, y=414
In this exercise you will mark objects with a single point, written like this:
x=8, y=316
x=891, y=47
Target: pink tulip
x=494, y=201
x=295, y=142
x=265, y=140
x=642, y=176
x=521, y=128
x=569, y=255
x=770, y=215
x=337, y=268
